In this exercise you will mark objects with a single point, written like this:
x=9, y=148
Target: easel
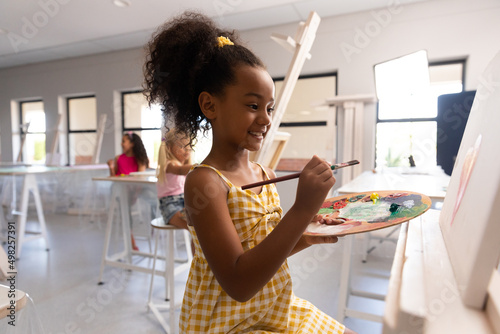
x=98, y=143
x=300, y=45
x=24, y=129
x=53, y=158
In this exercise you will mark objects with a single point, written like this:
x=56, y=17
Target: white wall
x=447, y=29
x=103, y=75
x=353, y=44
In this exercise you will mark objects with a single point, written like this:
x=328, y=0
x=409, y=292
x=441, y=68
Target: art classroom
x=408, y=88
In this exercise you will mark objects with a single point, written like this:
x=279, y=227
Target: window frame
x=462, y=61
x=136, y=129
x=311, y=76
x=125, y=129
x=21, y=128
x=69, y=132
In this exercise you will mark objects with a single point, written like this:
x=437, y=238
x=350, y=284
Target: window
x=82, y=125
x=145, y=121
x=32, y=116
x=407, y=89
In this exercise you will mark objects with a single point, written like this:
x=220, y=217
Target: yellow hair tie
x=221, y=41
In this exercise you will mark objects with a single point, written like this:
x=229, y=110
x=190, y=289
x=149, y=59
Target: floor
x=67, y=299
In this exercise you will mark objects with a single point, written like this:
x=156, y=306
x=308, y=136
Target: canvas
x=470, y=217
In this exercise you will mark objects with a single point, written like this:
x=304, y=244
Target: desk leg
x=345, y=275
x=125, y=218
x=29, y=184
x=39, y=209
x=109, y=225
x=345, y=289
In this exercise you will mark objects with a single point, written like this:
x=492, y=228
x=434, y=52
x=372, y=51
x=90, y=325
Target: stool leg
x=154, y=267
x=171, y=289
x=345, y=276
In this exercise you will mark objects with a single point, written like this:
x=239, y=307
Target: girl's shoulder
x=207, y=176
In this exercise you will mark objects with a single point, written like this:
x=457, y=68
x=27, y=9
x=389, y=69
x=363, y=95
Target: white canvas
x=470, y=218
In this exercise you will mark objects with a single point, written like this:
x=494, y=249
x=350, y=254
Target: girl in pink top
x=133, y=159
x=174, y=162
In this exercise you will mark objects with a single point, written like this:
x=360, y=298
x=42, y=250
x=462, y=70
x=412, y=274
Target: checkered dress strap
x=230, y=185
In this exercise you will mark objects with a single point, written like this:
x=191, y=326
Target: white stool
x=18, y=314
x=170, y=270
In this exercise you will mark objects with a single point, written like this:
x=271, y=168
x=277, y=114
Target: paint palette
x=369, y=211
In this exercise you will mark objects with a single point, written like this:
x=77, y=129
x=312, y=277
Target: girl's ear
x=207, y=104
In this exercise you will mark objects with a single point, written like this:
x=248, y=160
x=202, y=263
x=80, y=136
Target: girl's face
x=243, y=114
x=127, y=144
x=181, y=150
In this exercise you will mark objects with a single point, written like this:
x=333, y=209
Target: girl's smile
x=243, y=114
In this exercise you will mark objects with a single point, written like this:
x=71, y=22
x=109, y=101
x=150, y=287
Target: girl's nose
x=265, y=118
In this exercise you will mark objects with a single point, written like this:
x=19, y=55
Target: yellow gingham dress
x=274, y=309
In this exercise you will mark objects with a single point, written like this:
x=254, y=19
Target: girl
x=133, y=159
x=239, y=279
x=174, y=162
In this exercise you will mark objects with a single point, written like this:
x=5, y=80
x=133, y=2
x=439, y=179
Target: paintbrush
x=296, y=175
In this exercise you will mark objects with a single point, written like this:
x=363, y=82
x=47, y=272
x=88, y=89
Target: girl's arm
x=112, y=164
x=306, y=241
x=175, y=167
x=141, y=167
x=243, y=273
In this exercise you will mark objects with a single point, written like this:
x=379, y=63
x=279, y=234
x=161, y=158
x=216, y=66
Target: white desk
x=119, y=191
x=30, y=184
x=423, y=294
x=432, y=183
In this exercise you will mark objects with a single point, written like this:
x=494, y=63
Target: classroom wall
x=349, y=44
x=104, y=75
x=353, y=44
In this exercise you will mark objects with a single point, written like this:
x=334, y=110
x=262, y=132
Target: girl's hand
x=328, y=220
x=315, y=181
x=320, y=239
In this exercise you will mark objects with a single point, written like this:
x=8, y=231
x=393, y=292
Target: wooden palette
x=362, y=214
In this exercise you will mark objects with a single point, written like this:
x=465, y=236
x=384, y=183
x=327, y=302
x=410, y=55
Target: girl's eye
x=253, y=106
x=270, y=110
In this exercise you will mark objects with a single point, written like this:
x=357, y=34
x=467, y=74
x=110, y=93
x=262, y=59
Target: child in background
x=239, y=279
x=133, y=159
x=174, y=162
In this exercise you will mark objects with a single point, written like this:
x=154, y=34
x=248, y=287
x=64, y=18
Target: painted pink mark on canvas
x=468, y=166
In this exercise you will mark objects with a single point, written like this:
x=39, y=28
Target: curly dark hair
x=139, y=151
x=183, y=60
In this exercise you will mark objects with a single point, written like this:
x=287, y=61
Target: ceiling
x=34, y=31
